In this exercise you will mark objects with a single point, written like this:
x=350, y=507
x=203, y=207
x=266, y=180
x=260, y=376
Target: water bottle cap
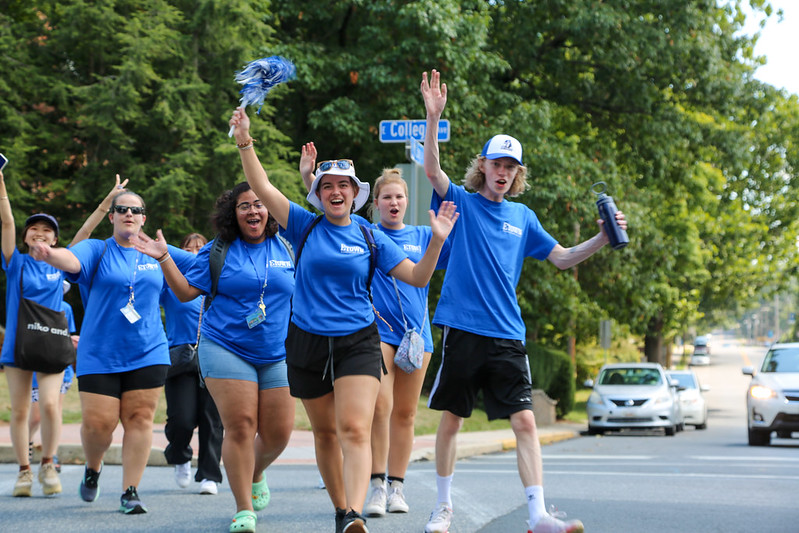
x=595, y=190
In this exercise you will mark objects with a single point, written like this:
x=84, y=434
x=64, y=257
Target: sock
x=392, y=479
x=444, y=484
x=381, y=477
x=46, y=460
x=535, y=503
x=22, y=468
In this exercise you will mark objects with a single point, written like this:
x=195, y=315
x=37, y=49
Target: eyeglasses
x=135, y=209
x=243, y=207
x=343, y=164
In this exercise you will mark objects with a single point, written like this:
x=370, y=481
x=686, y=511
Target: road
x=696, y=481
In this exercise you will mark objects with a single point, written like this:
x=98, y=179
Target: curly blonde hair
x=387, y=177
x=475, y=179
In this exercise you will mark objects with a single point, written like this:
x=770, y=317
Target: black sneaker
x=130, y=503
x=88, y=485
x=354, y=522
x=340, y=514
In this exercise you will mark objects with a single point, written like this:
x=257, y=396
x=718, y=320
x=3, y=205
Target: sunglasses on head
x=245, y=206
x=343, y=164
x=135, y=209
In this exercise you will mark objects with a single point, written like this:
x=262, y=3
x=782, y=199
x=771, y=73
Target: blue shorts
x=220, y=363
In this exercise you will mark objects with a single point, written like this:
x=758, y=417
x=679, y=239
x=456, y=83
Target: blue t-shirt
x=69, y=373
x=330, y=298
x=489, y=244
x=182, y=319
x=238, y=292
x=109, y=343
x=414, y=241
x=41, y=283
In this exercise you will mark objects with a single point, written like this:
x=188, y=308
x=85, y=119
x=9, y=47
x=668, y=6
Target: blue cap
x=43, y=217
x=503, y=146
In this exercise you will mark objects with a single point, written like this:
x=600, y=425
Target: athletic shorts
x=218, y=362
x=114, y=384
x=315, y=361
x=65, y=385
x=471, y=363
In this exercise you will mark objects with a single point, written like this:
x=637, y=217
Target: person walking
x=483, y=330
x=188, y=402
x=247, y=273
x=123, y=356
x=400, y=305
x=333, y=346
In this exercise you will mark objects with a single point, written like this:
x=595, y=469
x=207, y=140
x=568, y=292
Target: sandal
x=243, y=522
x=260, y=494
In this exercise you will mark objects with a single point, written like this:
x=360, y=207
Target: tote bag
x=43, y=343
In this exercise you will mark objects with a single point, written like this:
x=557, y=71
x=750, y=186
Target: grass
x=426, y=419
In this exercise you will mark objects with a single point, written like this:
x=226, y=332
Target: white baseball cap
x=340, y=167
x=503, y=146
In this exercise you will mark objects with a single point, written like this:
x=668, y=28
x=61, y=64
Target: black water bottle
x=607, y=212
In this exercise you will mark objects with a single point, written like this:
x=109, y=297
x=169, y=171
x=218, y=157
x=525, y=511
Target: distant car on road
x=699, y=359
x=692, y=402
x=633, y=395
x=702, y=345
x=772, y=400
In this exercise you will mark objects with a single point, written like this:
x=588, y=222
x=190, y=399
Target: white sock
x=444, y=483
x=535, y=503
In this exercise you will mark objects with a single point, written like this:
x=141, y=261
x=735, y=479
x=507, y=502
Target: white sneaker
x=440, y=519
x=396, y=499
x=554, y=523
x=376, y=502
x=183, y=475
x=208, y=487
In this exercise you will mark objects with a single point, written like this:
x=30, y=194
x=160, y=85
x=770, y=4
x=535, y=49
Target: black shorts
x=148, y=377
x=470, y=363
x=315, y=361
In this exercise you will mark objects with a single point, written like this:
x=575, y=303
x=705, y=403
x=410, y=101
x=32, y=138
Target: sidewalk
x=300, y=449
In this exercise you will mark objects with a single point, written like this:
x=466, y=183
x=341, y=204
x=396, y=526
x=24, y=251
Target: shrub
x=553, y=372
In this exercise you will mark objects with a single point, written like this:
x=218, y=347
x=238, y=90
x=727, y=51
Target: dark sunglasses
x=135, y=209
x=343, y=164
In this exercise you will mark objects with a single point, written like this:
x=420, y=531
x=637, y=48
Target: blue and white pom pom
x=259, y=77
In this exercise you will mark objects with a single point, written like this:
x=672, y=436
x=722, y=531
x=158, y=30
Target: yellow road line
x=745, y=357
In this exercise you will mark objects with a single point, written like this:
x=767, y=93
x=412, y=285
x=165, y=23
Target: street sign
x=398, y=131
x=417, y=152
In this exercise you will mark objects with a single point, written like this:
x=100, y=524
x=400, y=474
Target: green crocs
x=260, y=494
x=243, y=522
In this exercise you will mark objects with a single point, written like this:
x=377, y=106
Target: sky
x=778, y=43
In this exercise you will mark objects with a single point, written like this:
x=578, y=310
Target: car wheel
x=670, y=430
x=759, y=437
x=593, y=430
x=703, y=425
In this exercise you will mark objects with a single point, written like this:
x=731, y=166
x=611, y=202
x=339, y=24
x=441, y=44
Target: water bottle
x=607, y=212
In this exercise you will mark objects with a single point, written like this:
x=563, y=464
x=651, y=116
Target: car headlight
x=759, y=392
x=664, y=398
x=594, y=397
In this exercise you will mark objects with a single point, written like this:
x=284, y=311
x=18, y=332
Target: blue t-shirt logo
x=513, y=230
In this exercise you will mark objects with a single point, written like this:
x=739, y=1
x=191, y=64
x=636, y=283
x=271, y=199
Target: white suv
x=772, y=401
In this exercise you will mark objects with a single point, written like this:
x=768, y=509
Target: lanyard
x=261, y=304
x=131, y=279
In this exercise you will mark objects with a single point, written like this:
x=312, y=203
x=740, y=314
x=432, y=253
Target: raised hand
x=434, y=93
x=443, y=222
x=307, y=163
x=241, y=122
x=155, y=248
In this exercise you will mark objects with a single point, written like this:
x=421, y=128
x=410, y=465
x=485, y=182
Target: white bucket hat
x=503, y=146
x=336, y=169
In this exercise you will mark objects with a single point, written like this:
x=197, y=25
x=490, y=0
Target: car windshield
x=686, y=381
x=700, y=341
x=630, y=376
x=781, y=360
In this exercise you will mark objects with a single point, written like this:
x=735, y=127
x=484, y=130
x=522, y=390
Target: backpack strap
x=304, y=238
x=216, y=260
x=370, y=241
x=94, y=273
x=289, y=247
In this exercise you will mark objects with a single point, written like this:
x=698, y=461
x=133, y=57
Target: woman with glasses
x=188, y=403
x=333, y=346
x=43, y=284
x=397, y=401
x=242, y=350
x=122, y=353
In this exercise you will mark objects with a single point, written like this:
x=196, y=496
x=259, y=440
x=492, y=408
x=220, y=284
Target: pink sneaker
x=554, y=523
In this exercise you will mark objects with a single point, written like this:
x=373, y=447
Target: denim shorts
x=218, y=362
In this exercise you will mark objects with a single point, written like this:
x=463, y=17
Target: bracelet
x=3, y=197
x=164, y=258
x=246, y=144
x=248, y=147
